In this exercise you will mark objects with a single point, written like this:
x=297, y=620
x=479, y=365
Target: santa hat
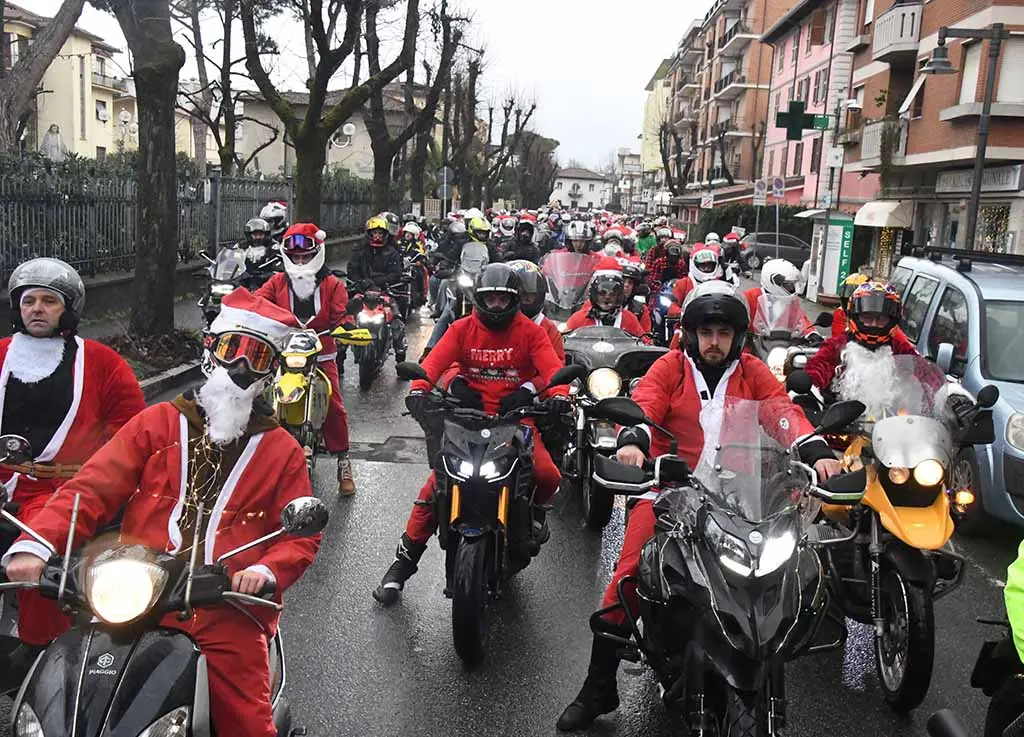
x=310, y=230
x=243, y=310
x=731, y=237
x=608, y=266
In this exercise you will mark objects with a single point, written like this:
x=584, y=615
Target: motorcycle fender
x=740, y=672
x=912, y=564
x=287, y=384
x=116, y=685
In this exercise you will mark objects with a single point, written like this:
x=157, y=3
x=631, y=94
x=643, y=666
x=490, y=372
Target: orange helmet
x=873, y=298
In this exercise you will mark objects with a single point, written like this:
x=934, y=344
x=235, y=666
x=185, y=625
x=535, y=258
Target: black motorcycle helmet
x=533, y=287
x=714, y=303
x=673, y=252
x=496, y=278
x=525, y=231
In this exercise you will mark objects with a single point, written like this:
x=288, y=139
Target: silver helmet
x=48, y=273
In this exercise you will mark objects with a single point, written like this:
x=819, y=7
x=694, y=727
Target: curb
x=170, y=378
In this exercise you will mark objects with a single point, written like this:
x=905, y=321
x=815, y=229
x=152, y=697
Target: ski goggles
x=229, y=348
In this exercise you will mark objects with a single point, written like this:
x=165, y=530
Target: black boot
x=599, y=694
x=407, y=555
x=541, y=533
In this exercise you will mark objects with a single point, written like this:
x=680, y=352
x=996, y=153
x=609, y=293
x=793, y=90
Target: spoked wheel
x=597, y=501
x=905, y=650
x=470, y=592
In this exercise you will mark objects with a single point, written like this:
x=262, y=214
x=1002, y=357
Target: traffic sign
x=432, y=208
x=835, y=157
x=707, y=201
x=444, y=191
x=826, y=200
x=760, y=193
x=778, y=187
x=445, y=174
x=821, y=122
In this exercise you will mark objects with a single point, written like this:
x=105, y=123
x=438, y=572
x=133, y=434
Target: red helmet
x=874, y=298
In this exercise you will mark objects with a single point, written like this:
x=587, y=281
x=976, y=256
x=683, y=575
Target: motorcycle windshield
x=779, y=315
x=891, y=385
x=568, y=277
x=474, y=258
x=746, y=469
x=230, y=264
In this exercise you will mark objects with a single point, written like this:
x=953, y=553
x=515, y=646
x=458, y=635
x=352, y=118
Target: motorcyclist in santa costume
x=506, y=359
x=66, y=395
x=319, y=301
x=245, y=469
x=605, y=306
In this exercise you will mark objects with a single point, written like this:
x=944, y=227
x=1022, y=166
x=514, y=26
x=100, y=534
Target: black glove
x=521, y=397
x=467, y=396
x=419, y=403
x=634, y=436
x=963, y=408
x=560, y=405
x=814, y=339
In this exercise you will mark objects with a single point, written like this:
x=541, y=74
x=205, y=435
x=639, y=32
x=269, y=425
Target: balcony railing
x=735, y=39
x=871, y=140
x=114, y=83
x=897, y=32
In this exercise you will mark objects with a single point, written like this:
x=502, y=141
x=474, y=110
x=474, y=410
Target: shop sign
x=994, y=179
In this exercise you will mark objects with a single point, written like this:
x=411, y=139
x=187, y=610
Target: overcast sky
x=586, y=62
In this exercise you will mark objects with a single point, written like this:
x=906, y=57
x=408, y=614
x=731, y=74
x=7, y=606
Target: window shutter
x=969, y=73
x=1011, y=80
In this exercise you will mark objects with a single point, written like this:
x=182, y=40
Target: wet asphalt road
x=357, y=669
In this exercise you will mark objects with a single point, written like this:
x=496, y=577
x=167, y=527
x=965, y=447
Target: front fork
x=875, y=550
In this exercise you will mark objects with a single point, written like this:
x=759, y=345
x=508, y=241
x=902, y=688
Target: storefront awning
x=885, y=214
x=809, y=214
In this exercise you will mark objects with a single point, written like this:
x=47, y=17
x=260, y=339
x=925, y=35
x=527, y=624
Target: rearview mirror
x=800, y=382
x=15, y=449
x=411, y=371
x=988, y=396
x=839, y=415
x=304, y=517
x=823, y=320
x=944, y=356
x=568, y=374
x=621, y=410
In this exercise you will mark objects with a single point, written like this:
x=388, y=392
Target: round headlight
x=1015, y=430
x=929, y=473
x=899, y=475
x=295, y=361
x=799, y=360
x=119, y=591
x=603, y=383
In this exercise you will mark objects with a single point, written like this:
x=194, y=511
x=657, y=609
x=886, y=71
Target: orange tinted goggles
x=230, y=347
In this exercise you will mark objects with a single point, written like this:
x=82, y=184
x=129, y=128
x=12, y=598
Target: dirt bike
x=301, y=392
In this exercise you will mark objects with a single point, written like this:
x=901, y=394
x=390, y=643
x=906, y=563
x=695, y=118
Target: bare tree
x=515, y=117
x=311, y=132
x=19, y=87
x=726, y=169
x=464, y=145
x=537, y=169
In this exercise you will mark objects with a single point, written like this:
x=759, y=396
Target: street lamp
x=939, y=64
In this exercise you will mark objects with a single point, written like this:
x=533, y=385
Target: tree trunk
x=199, y=129
x=382, y=182
x=310, y=160
x=156, y=82
x=417, y=168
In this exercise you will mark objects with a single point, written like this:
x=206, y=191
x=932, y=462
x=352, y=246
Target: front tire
x=905, y=652
x=974, y=520
x=367, y=367
x=740, y=718
x=470, y=592
x=597, y=501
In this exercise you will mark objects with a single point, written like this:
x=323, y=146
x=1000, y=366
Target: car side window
x=900, y=279
x=950, y=326
x=789, y=240
x=915, y=306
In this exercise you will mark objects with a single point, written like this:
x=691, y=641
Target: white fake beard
x=33, y=359
x=303, y=285
x=864, y=378
x=227, y=406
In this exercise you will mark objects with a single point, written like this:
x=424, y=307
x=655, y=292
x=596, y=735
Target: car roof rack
x=965, y=258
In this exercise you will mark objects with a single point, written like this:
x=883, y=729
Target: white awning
x=909, y=99
x=886, y=214
x=809, y=214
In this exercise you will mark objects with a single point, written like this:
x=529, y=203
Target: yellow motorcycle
x=302, y=392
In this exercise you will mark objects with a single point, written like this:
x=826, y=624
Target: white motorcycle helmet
x=712, y=237
x=473, y=212
x=779, y=277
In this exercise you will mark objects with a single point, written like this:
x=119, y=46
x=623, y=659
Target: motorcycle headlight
x=775, y=552
x=221, y=290
x=172, y=724
x=123, y=589
x=494, y=470
x=665, y=301
x=603, y=383
x=1015, y=430
x=457, y=467
x=777, y=362
x=899, y=475
x=465, y=281
x=295, y=361
x=929, y=473
x=800, y=361
x=26, y=724
x=731, y=551
x=367, y=319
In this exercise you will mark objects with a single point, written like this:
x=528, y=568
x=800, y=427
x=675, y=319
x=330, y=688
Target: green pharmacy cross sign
x=796, y=121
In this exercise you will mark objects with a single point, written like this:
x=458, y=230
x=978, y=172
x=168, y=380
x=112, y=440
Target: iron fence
x=90, y=222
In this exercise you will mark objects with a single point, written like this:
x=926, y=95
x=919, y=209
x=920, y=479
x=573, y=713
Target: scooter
x=122, y=673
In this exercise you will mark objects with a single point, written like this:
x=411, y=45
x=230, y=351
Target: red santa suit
x=105, y=395
x=624, y=320
x=494, y=363
x=827, y=363
x=143, y=467
x=675, y=395
x=329, y=302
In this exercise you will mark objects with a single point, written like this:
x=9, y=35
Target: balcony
x=735, y=40
x=871, y=142
x=689, y=54
x=730, y=128
x=690, y=86
x=110, y=83
x=732, y=85
x=896, y=34
x=684, y=117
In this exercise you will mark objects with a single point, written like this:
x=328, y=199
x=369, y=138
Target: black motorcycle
x=731, y=585
x=375, y=309
x=122, y=673
x=484, y=506
x=615, y=361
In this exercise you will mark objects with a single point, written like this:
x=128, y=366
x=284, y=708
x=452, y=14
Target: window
x=785, y=159
x=817, y=85
x=591, y=187
x=782, y=56
x=101, y=111
x=829, y=25
x=950, y=326
x=778, y=104
x=915, y=306
x=816, y=155
x=101, y=153
x=869, y=11
x=1004, y=327
x=807, y=41
x=590, y=205
x=853, y=117
x=1011, y=81
x=796, y=46
x=771, y=162
x=798, y=158
x=900, y=279
x=969, y=73
x=558, y=185
x=101, y=66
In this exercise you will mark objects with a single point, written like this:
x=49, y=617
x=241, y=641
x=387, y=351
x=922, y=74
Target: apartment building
x=581, y=189
x=722, y=79
x=917, y=131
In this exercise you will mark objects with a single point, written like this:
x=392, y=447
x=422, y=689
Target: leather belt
x=43, y=470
